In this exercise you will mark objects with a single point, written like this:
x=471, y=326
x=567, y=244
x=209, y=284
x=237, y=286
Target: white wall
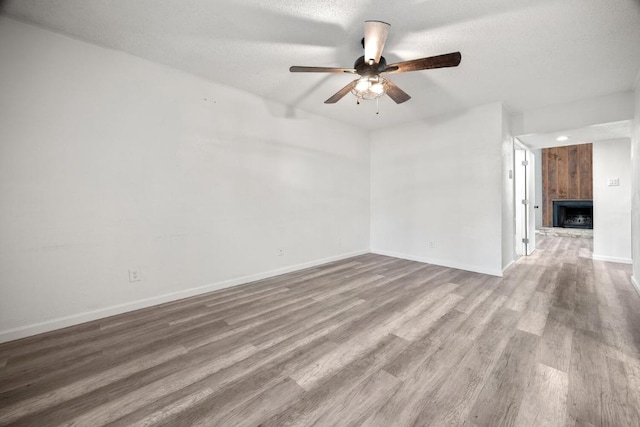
x=109, y=162
x=612, y=204
x=585, y=112
x=440, y=180
x=635, y=203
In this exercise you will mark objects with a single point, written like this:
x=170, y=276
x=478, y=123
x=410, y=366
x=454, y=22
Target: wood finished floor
x=370, y=340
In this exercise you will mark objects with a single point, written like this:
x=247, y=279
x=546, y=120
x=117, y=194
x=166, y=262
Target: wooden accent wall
x=566, y=175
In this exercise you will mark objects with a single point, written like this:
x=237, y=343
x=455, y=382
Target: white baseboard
x=635, y=284
x=443, y=263
x=508, y=265
x=612, y=259
x=63, y=322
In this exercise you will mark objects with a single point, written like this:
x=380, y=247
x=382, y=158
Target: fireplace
x=573, y=213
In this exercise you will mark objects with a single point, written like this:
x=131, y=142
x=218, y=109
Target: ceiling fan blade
x=297, y=69
x=440, y=61
x=341, y=93
x=395, y=93
x=375, y=35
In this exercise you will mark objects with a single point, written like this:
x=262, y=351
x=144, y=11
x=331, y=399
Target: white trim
x=513, y=261
x=519, y=144
x=635, y=284
x=443, y=263
x=74, y=319
x=612, y=259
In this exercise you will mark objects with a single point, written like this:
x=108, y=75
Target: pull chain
x=377, y=105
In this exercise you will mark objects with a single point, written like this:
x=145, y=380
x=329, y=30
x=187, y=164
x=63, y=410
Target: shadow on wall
x=291, y=111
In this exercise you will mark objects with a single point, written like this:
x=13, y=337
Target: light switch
x=613, y=182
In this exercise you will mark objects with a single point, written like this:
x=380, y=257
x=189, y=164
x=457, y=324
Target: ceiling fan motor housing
x=365, y=69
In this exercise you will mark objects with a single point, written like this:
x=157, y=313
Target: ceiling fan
x=370, y=84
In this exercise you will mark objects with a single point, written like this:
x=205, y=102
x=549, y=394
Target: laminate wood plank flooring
x=370, y=340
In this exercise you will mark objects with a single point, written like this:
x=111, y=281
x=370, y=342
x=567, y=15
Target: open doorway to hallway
x=590, y=164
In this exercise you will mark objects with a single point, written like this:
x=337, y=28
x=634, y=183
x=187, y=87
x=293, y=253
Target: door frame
x=523, y=199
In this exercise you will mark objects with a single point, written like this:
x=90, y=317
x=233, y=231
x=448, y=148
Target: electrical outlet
x=432, y=244
x=135, y=275
x=280, y=251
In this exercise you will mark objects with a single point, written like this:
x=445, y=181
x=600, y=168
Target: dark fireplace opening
x=573, y=213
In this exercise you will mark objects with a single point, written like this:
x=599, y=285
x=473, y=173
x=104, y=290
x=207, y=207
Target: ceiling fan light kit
x=371, y=85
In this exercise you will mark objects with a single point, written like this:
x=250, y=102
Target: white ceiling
x=587, y=134
x=525, y=53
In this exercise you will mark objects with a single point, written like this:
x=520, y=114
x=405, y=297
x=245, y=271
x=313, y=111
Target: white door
x=525, y=218
x=520, y=211
x=530, y=196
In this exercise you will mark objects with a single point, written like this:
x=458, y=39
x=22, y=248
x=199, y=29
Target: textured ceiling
x=524, y=53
